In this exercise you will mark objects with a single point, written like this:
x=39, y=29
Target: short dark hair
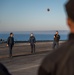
x=70, y=9
x=11, y=33
x=56, y=31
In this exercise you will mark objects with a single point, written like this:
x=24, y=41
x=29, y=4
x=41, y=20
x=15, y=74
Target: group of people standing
x=10, y=43
x=32, y=41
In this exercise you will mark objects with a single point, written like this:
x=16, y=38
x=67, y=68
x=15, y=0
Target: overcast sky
x=32, y=15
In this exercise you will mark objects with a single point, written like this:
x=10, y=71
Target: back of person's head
x=70, y=9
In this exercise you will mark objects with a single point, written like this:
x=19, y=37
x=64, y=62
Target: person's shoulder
x=55, y=54
x=34, y=36
x=31, y=36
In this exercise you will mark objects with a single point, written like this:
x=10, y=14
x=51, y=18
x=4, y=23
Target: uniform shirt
x=59, y=61
x=56, y=37
x=32, y=40
x=10, y=40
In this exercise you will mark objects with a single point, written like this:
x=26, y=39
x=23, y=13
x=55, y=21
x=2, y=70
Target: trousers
x=10, y=50
x=32, y=48
x=55, y=44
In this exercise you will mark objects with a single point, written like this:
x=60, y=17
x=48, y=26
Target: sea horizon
x=40, y=35
x=36, y=32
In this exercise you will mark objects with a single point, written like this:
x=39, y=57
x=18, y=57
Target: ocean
x=39, y=35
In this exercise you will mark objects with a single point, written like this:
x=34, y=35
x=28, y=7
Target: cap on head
x=70, y=9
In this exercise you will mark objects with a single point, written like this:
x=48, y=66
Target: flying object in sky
x=48, y=9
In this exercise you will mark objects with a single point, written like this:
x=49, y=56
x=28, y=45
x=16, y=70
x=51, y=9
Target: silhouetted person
x=56, y=40
x=61, y=60
x=10, y=44
x=3, y=70
x=32, y=41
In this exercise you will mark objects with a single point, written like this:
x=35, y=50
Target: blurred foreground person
x=56, y=40
x=61, y=60
x=10, y=44
x=3, y=70
x=32, y=41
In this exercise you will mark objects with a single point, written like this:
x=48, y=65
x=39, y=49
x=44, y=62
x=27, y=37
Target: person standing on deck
x=10, y=44
x=32, y=42
x=56, y=40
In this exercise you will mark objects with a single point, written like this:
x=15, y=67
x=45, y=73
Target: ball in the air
x=48, y=9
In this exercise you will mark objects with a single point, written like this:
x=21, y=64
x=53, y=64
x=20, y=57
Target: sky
x=32, y=15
